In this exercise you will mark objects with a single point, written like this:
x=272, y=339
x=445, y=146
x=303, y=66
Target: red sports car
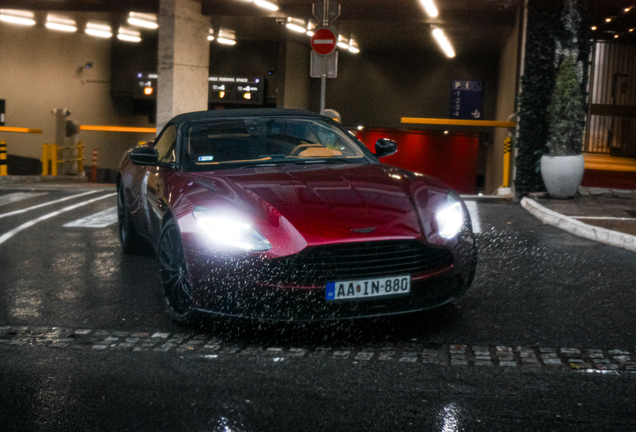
x=284, y=215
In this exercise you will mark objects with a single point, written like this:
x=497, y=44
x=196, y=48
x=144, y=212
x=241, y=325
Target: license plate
x=368, y=288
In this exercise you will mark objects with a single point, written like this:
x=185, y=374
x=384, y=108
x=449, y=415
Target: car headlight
x=230, y=232
x=450, y=220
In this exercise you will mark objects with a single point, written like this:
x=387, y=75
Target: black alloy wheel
x=128, y=237
x=175, y=277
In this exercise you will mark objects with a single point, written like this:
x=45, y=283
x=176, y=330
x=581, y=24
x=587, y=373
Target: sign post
x=323, y=44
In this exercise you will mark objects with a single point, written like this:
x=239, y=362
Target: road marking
x=474, y=215
x=604, y=218
x=6, y=236
x=46, y=204
x=97, y=220
x=18, y=196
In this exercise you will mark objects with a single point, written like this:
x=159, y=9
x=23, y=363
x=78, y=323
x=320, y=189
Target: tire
x=175, y=278
x=130, y=241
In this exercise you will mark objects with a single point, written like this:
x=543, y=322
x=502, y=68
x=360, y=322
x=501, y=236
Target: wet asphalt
x=536, y=286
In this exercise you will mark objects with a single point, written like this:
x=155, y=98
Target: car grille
x=317, y=265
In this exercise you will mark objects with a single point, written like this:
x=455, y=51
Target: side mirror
x=385, y=147
x=143, y=155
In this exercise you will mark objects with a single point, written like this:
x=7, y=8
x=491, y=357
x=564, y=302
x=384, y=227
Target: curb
x=43, y=179
x=573, y=226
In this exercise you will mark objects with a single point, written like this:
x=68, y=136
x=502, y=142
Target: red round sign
x=323, y=41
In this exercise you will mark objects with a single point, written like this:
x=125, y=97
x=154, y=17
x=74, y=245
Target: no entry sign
x=323, y=41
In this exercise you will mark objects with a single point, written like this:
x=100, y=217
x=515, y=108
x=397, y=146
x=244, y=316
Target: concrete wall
x=39, y=72
x=506, y=104
x=377, y=88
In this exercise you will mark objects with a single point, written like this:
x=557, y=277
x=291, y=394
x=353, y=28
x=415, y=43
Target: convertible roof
x=202, y=115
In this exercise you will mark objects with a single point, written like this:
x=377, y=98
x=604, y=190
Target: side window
x=166, y=144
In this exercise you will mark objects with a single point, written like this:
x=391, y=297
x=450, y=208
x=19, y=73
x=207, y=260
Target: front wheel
x=128, y=237
x=175, y=278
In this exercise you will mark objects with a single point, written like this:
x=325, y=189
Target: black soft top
x=202, y=115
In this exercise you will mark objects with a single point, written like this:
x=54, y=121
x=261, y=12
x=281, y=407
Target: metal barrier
x=507, y=162
x=49, y=154
x=3, y=158
x=3, y=145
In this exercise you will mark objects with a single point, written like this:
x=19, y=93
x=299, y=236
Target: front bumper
x=236, y=286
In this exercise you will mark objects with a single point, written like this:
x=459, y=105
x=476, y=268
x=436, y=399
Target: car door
x=154, y=182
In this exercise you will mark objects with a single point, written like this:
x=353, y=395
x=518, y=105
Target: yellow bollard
x=506, y=161
x=53, y=148
x=3, y=158
x=45, y=159
x=80, y=158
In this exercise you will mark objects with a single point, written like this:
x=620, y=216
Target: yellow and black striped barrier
x=507, y=161
x=3, y=158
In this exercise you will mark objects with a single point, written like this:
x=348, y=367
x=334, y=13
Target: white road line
x=97, y=220
x=19, y=196
x=604, y=218
x=6, y=236
x=46, y=204
x=474, y=215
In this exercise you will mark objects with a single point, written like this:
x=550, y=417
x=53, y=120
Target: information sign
x=145, y=86
x=236, y=90
x=467, y=100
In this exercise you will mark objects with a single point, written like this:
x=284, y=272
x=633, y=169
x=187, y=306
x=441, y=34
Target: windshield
x=267, y=141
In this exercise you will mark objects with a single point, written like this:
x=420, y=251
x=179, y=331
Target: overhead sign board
x=323, y=41
x=236, y=90
x=467, y=100
x=145, y=86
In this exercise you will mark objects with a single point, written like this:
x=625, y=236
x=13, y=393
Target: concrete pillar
x=293, y=77
x=184, y=59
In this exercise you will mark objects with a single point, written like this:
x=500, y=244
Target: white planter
x=562, y=175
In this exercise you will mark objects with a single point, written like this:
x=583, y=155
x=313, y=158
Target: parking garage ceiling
x=473, y=26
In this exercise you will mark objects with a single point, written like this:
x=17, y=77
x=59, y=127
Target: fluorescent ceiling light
x=430, y=8
x=265, y=4
x=98, y=29
x=226, y=37
x=443, y=42
x=17, y=17
x=148, y=21
x=60, y=23
x=296, y=25
x=128, y=35
x=343, y=42
x=353, y=47
x=211, y=34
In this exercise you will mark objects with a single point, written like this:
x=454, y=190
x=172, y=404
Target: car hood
x=325, y=203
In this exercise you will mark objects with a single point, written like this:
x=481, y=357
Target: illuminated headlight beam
x=229, y=232
x=450, y=220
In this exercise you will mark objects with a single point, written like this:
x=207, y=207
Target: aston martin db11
x=285, y=215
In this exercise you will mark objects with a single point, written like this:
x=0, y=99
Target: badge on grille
x=364, y=230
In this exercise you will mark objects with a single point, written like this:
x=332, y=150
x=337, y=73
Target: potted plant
x=562, y=169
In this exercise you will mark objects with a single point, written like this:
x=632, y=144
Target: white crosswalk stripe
x=6, y=236
x=97, y=220
x=474, y=215
x=19, y=196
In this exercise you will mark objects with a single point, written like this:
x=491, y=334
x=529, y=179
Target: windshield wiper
x=298, y=162
x=325, y=161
